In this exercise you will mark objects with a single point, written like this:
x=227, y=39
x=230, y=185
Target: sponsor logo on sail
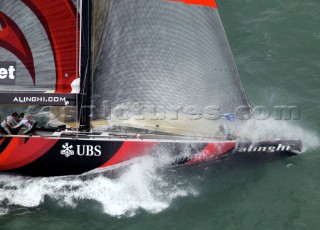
x=8, y=73
x=81, y=150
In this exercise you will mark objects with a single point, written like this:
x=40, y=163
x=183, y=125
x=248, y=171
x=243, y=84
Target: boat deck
x=119, y=136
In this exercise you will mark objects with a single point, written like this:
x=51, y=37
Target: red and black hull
x=38, y=156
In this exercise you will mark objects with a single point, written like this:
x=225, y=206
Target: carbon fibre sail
x=162, y=66
x=155, y=65
x=40, y=40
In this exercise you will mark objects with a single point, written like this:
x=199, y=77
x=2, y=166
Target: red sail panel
x=210, y=3
x=43, y=35
x=13, y=39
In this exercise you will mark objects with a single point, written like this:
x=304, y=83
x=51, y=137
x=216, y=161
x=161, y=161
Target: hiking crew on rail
x=11, y=125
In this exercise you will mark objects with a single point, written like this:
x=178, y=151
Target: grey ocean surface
x=276, y=45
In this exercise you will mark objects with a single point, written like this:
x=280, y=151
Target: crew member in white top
x=8, y=123
x=28, y=123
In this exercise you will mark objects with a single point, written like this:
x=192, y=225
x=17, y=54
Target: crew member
x=8, y=123
x=21, y=116
x=225, y=130
x=28, y=123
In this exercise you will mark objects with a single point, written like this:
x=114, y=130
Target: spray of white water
x=280, y=129
x=142, y=186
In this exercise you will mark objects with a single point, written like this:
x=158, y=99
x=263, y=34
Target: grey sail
x=162, y=66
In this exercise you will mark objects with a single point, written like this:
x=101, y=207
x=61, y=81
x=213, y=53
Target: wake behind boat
x=109, y=81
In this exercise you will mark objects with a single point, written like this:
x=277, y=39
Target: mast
x=85, y=96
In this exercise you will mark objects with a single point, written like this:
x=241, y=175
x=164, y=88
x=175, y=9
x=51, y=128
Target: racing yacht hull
x=52, y=156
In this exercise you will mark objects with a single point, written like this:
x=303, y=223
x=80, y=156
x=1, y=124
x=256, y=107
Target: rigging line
x=83, y=89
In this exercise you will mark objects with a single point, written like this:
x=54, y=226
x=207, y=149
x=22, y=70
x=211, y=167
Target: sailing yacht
x=112, y=80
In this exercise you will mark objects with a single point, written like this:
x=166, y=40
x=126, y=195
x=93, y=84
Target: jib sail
x=162, y=66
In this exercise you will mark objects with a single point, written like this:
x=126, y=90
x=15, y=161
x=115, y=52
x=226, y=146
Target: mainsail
x=40, y=39
x=163, y=66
